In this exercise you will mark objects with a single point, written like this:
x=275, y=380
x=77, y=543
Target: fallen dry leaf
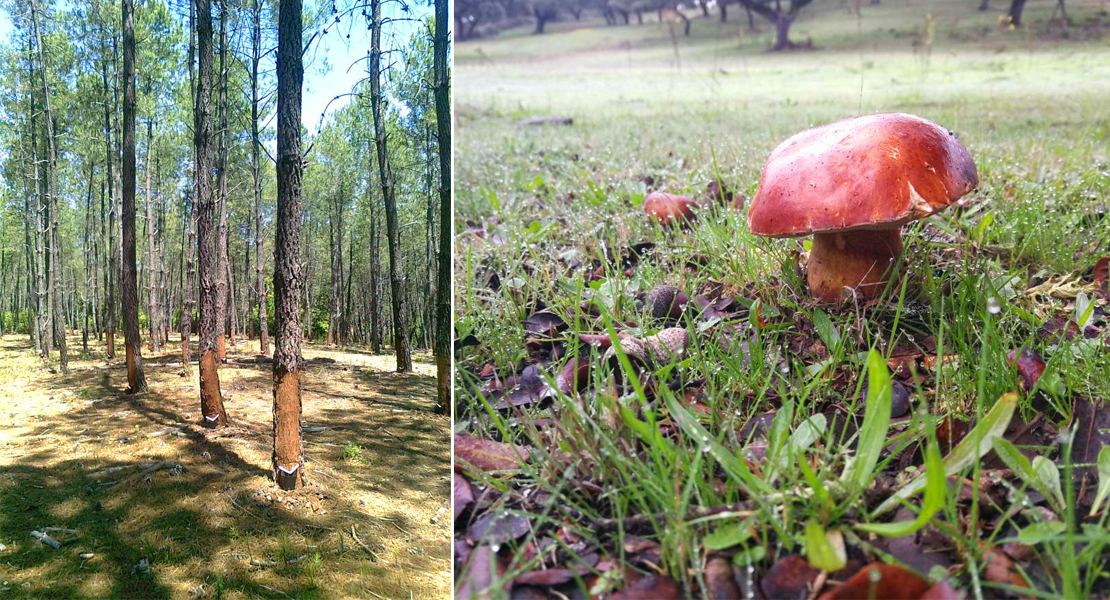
x=463, y=495
x=651, y=587
x=1029, y=365
x=1000, y=569
x=879, y=581
x=790, y=578
x=486, y=455
x=719, y=582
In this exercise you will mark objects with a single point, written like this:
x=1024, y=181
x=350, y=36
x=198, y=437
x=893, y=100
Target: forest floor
x=378, y=464
x=786, y=446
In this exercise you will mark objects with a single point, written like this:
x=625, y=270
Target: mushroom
x=669, y=209
x=853, y=184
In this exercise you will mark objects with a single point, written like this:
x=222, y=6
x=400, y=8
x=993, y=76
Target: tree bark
x=136, y=380
x=375, y=275
x=113, y=266
x=396, y=284
x=288, y=456
x=443, y=279
x=52, y=200
x=256, y=164
x=223, y=288
x=155, y=326
x=211, y=400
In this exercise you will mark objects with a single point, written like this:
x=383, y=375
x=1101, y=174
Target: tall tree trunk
x=443, y=279
x=130, y=287
x=375, y=274
x=396, y=284
x=256, y=170
x=52, y=199
x=155, y=325
x=288, y=456
x=211, y=400
x=189, y=283
x=85, y=247
x=113, y=266
x=223, y=288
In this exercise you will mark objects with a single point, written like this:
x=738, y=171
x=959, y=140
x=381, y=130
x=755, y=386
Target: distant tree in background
x=781, y=17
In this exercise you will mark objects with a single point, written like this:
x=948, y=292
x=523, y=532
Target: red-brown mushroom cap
x=873, y=172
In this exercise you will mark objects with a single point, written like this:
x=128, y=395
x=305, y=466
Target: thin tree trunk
x=110, y=305
x=188, y=284
x=223, y=287
x=396, y=283
x=155, y=325
x=88, y=267
x=288, y=456
x=375, y=271
x=133, y=343
x=256, y=170
x=443, y=279
x=52, y=200
x=211, y=400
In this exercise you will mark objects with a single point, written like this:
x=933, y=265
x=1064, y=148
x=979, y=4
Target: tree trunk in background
x=52, y=200
x=400, y=328
x=985, y=5
x=1016, y=8
x=375, y=274
x=223, y=289
x=136, y=380
x=110, y=305
x=256, y=170
x=189, y=284
x=288, y=456
x=443, y=279
x=782, y=32
x=155, y=326
x=211, y=401
x=86, y=245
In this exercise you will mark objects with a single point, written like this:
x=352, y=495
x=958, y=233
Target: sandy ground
x=216, y=527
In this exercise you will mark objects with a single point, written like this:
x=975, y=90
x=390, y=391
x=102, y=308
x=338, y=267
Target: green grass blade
x=820, y=551
x=875, y=423
x=1026, y=470
x=992, y=425
x=1103, y=478
x=734, y=465
x=935, y=490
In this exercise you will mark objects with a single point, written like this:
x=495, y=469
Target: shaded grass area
x=216, y=527
x=549, y=220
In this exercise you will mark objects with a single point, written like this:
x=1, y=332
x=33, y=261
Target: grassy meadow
x=790, y=443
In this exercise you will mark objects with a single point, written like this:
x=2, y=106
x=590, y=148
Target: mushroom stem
x=856, y=259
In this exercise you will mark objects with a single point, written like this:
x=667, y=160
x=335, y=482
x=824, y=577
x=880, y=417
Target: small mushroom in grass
x=852, y=185
x=660, y=349
x=669, y=209
x=666, y=302
x=669, y=344
x=636, y=352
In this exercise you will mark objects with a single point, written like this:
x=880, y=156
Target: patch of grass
x=548, y=216
x=352, y=452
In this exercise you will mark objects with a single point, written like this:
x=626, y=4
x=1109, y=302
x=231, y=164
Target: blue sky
x=334, y=49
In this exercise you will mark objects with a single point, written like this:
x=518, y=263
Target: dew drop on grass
x=705, y=449
x=993, y=305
